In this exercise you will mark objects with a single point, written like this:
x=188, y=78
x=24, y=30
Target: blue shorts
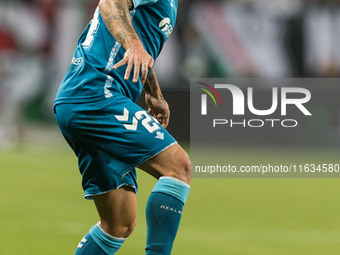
x=110, y=138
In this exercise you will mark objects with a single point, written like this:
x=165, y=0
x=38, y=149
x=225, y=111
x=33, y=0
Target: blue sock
x=98, y=242
x=163, y=214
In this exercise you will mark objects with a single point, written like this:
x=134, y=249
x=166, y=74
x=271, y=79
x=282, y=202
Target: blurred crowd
x=261, y=38
x=215, y=38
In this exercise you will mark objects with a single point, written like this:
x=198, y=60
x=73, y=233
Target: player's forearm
x=151, y=85
x=117, y=19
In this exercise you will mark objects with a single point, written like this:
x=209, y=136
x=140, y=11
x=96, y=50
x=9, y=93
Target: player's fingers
x=164, y=124
x=159, y=120
x=150, y=111
x=151, y=62
x=144, y=73
x=136, y=72
x=166, y=119
x=120, y=63
x=128, y=70
x=162, y=119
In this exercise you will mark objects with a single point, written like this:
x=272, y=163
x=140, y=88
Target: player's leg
x=108, y=151
x=165, y=205
x=173, y=162
x=117, y=211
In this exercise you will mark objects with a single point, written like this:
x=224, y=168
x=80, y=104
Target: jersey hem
x=145, y=158
x=89, y=194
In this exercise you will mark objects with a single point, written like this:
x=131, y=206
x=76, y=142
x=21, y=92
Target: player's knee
x=183, y=172
x=122, y=230
x=128, y=229
x=187, y=168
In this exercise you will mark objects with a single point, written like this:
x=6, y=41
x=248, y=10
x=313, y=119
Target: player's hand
x=158, y=108
x=136, y=58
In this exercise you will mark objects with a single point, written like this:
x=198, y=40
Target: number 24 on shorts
x=147, y=121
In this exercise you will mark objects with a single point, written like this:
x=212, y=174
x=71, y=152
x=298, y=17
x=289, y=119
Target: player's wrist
x=133, y=43
x=156, y=94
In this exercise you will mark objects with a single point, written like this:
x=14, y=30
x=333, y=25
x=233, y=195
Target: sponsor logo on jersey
x=165, y=26
x=77, y=61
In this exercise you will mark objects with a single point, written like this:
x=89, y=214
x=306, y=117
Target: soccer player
x=111, y=135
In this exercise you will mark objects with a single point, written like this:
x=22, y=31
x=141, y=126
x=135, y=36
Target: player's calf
x=165, y=205
x=117, y=210
x=163, y=214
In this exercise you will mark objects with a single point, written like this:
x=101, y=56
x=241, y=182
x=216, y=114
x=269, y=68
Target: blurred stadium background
x=41, y=207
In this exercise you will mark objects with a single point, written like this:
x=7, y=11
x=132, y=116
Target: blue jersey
x=90, y=77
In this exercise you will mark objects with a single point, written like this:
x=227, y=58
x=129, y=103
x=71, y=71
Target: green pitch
x=43, y=212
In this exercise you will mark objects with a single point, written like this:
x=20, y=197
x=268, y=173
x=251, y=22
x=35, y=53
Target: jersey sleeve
x=137, y=3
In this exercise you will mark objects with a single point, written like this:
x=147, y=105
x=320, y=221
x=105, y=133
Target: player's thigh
x=117, y=210
x=173, y=161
